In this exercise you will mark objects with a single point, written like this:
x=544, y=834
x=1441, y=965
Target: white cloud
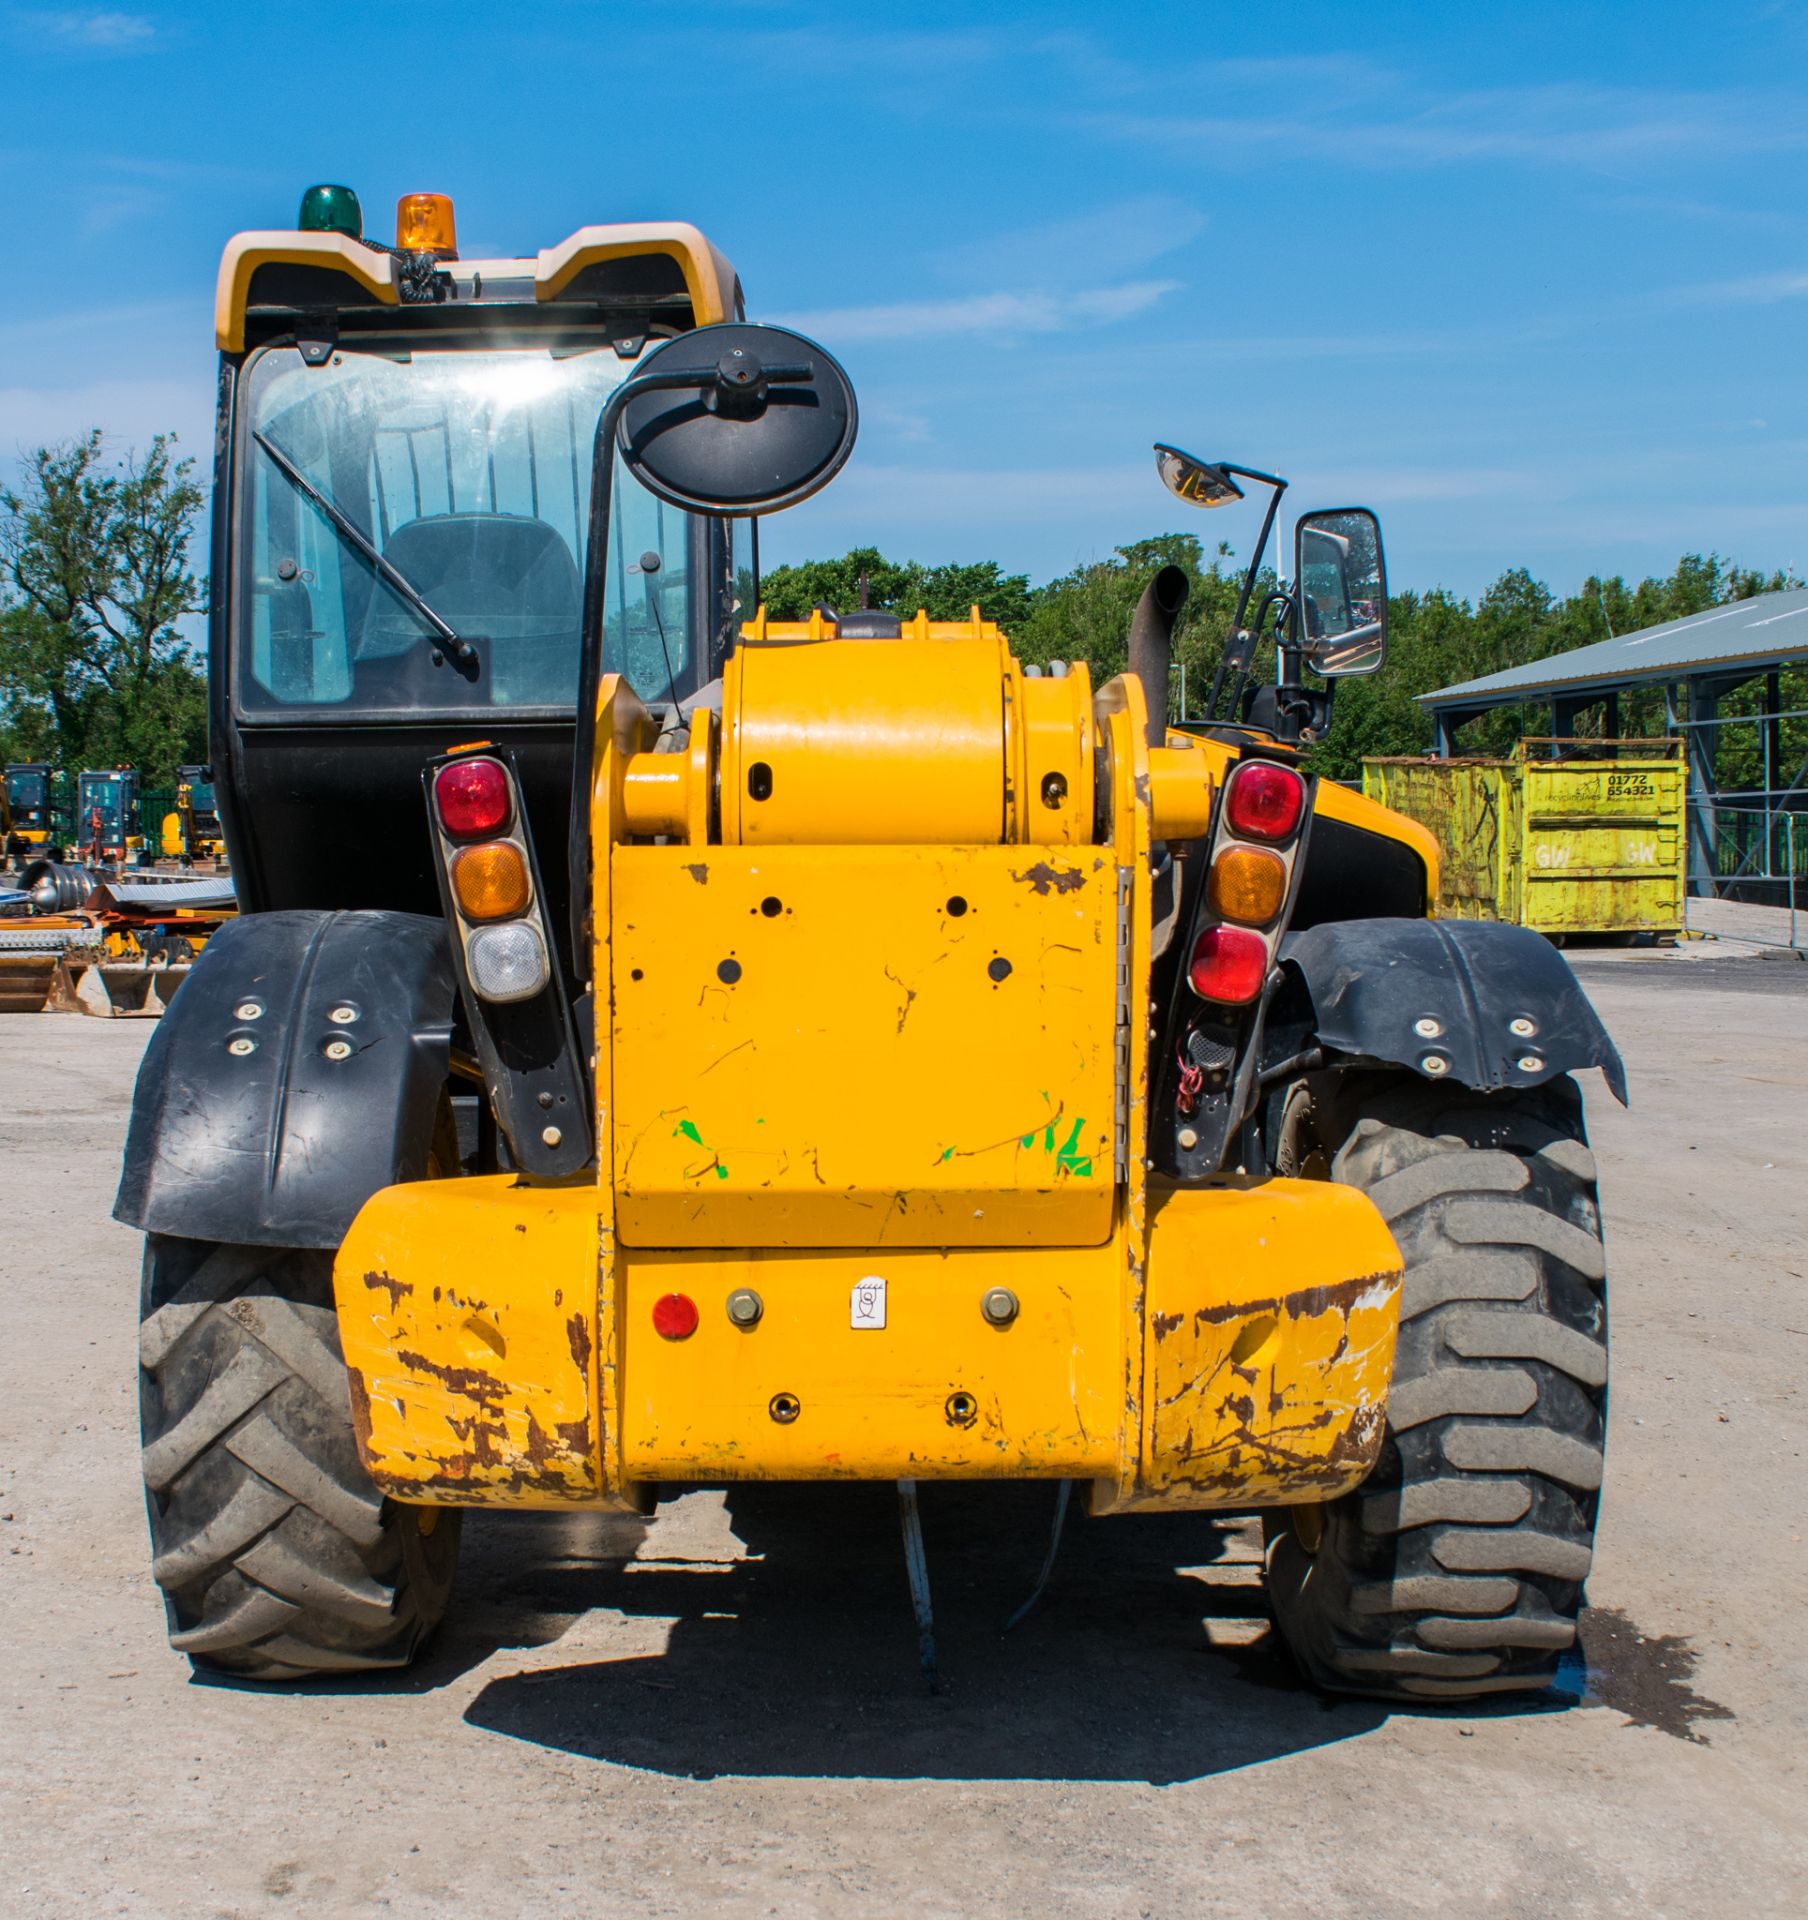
x=1554, y=125
x=991, y=496
x=1755, y=290
x=88, y=31
x=1128, y=493
x=129, y=412
x=1395, y=486
x=1112, y=240
x=994, y=313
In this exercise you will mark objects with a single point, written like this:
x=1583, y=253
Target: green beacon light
x=328, y=209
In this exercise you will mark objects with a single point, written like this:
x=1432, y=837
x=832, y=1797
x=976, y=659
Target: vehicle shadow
x=801, y=1658
x=523, y=1578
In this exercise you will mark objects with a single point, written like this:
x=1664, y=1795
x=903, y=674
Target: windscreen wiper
x=461, y=650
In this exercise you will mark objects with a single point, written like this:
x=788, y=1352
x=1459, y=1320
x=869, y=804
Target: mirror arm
x=1255, y=559
x=590, y=632
x=590, y=654
x=1278, y=487
x=1250, y=473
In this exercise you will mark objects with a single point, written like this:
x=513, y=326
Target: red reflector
x=1265, y=801
x=472, y=797
x=674, y=1316
x=1229, y=965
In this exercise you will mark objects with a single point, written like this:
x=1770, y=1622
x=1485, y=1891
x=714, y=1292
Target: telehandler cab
x=831, y=1050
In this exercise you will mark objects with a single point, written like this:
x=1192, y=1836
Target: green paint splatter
x=687, y=1130
x=1070, y=1159
x=948, y=1152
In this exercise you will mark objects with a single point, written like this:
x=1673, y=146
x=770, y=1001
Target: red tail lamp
x=674, y=1316
x=472, y=797
x=1229, y=965
x=1265, y=801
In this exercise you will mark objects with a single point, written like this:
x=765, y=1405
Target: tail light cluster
x=1260, y=821
x=489, y=871
x=516, y=1006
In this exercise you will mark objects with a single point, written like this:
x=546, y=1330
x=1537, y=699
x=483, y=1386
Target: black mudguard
x=1376, y=985
x=277, y=1142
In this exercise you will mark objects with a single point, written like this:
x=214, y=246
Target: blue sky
x=1532, y=281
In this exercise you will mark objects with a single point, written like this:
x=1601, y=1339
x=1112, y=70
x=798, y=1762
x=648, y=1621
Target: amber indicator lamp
x=424, y=224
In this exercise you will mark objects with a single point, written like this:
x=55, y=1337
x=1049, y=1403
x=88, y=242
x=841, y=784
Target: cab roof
x=666, y=271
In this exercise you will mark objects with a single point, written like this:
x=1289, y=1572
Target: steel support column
x=1704, y=831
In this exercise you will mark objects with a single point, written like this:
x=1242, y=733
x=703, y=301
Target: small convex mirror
x=737, y=419
x=1193, y=480
x=1340, y=588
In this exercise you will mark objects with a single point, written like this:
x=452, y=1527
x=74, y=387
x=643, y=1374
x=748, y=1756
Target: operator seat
x=505, y=581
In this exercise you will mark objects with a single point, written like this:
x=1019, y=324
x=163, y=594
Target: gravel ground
x=720, y=1711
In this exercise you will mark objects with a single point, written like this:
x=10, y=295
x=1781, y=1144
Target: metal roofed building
x=1697, y=661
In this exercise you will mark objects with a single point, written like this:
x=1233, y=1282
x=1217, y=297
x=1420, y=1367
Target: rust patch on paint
x=1164, y=1324
x=381, y=1283
x=1307, y=1304
x=1042, y=878
x=469, y=1383
x=360, y=1397
x=577, y=1331
x=699, y=871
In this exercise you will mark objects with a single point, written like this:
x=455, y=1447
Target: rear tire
x=277, y=1556
x=1458, y=1568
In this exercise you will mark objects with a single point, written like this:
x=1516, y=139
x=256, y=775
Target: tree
x=1086, y=614
x=864, y=577
x=93, y=668
x=1435, y=639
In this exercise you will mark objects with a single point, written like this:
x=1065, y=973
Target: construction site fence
x=1760, y=853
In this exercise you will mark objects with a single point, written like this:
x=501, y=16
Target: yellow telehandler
x=739, y=1050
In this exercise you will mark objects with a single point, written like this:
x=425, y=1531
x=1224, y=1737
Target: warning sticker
x=866, y=1304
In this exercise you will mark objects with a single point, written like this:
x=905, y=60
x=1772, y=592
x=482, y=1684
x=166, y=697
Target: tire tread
x=277, y=1557
x=1458, y=1569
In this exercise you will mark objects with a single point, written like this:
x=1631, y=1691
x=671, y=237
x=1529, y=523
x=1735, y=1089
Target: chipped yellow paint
x=467, y=1314
x=623, y=729
x=1268, y=1344
x=810, y=1076
x=863, y=1046
x=1123, y=722
x=467, y=1308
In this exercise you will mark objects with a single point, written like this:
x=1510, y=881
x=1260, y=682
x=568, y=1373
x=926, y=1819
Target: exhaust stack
x=1152, y=643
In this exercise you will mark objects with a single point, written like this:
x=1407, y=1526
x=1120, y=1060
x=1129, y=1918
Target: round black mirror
x=737, y=419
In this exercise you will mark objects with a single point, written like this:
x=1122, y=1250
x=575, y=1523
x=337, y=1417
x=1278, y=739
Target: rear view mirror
x=1340, y=591
x=737, y=419
x=1198, y=482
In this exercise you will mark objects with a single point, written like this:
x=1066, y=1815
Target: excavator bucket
x=31, y=957
x=25, y=981
x=115, y=989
